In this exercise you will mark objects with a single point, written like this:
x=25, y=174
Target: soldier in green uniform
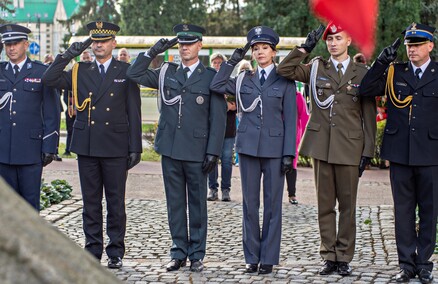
x=339, y=137
x=190, y=133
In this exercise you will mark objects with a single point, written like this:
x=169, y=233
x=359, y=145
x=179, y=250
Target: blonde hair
x=217, y=55
x=244, y=65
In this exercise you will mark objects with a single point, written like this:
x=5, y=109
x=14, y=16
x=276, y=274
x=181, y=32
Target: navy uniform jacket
x=29, y=115
x=113, y=128
x=201, y=127
x=409, y=139
x=271, y=135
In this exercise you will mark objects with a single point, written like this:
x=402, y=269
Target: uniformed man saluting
x=410, y=143
x=29, y=117
x=106, y=134
x=189, y=138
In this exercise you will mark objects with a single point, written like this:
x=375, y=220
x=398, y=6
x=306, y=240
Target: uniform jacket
x=415, y=141
x=271, y=135
x=350, y=131
x=201, y=127
x=29, y=115
x=111, y=125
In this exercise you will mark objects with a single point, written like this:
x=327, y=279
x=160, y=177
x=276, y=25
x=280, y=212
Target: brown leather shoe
x=328, y=267
x=175, y=264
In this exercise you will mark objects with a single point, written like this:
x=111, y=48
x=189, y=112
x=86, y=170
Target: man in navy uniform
x=106, y=134
x=410, y=143
x=29, y=117
x=189, y=138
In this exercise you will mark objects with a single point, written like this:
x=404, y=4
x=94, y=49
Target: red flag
x=357, y=17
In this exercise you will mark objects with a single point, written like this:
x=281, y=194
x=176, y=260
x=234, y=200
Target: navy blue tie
x=16, y=70
x=262, y=77
x=417, y=73
x=102, y=71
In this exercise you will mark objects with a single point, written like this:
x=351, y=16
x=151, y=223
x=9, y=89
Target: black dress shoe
x=404, y=276
x=115, y=262
x=344, y=269
x=251, y=268
x=328, y=267
x=196, y=265
x=265, y=268
x=425, y=276
x=175, y=264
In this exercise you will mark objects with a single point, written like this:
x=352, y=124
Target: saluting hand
x=389, y=53
x=77, y=48
x=238, y=54
x=312, y=39
x=161, y=46
x=286, y=164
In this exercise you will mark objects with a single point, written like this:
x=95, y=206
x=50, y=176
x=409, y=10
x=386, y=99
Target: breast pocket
x=323, y=89
x=172, y=88
x=32, y=87
x=246, y=90
x=3, y=85
x=401, y=90
x=275, y=93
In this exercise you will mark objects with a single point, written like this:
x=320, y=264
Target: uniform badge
x=349, y=82
x=320, y=92
x=99, y=25
x=333, y=29
x=354, y=99
x=185, y=28
x=29, y=65
x=348, y=88
x=327, y=85
x=258, y=30
x=200, y=100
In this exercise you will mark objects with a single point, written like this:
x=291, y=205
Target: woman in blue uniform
x=265, y=143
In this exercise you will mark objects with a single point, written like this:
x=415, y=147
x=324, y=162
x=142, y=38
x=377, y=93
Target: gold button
x=92, y=122
x=93, y=108
x=107, y=109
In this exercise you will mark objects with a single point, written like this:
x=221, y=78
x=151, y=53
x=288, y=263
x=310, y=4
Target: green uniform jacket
x=346, y=131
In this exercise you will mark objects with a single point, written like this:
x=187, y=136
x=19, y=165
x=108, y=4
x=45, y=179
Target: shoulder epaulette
x=362, y=65
x=317, y=58
x=37, y=62
x=172, y=64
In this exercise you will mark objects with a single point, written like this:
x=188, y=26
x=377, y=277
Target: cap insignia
x=9, y=28
x=258, y=30
x=333, y=28
x=185, y=28
x=414, y=26
x=99, y=25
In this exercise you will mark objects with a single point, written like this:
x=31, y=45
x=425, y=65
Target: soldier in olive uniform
x=410, y=143
x=106, y=134
x=339, y=137
x=29, y=117
x=190, y=133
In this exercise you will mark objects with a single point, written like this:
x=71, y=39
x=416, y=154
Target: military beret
x=331, y=29
x=187, y=33
x=13, y=33
x=418, y=33
x=101, y=31
x=262, y=34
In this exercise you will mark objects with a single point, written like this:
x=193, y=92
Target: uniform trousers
x=25, y=180
x=98, y=175
x=336, y=183
x=186, y=188
x=414, y=186
x=261, y=248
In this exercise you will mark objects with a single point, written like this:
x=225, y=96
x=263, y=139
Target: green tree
x=4, y=7
x=224, y=18
x=157, y=17
x=429, y=16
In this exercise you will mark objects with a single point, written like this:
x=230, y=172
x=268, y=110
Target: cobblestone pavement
x=148, y=239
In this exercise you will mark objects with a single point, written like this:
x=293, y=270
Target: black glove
x=133, y=160
x=209, y=163
x=364, y=161
x=47, y=158
x=312, y=39
x=77, y=48
x=389, y=53
x=161, y=46
x=286, y=164
x=238, y=55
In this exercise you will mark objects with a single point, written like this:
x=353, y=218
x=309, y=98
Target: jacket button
x=13, y=124
x=258, y=127
x=14, y=90
x=333, y=124
x=111, y=94
x=107, y=109
x=106, y=123
x=93, y=108
x=413, y=129
x=14, y=112
x=92, y=122
x=90, y=93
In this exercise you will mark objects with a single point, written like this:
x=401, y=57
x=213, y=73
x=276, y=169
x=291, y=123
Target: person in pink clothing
x=302, y=118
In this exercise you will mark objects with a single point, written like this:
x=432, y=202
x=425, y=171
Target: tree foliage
x=157, y=17
x=4, y=7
